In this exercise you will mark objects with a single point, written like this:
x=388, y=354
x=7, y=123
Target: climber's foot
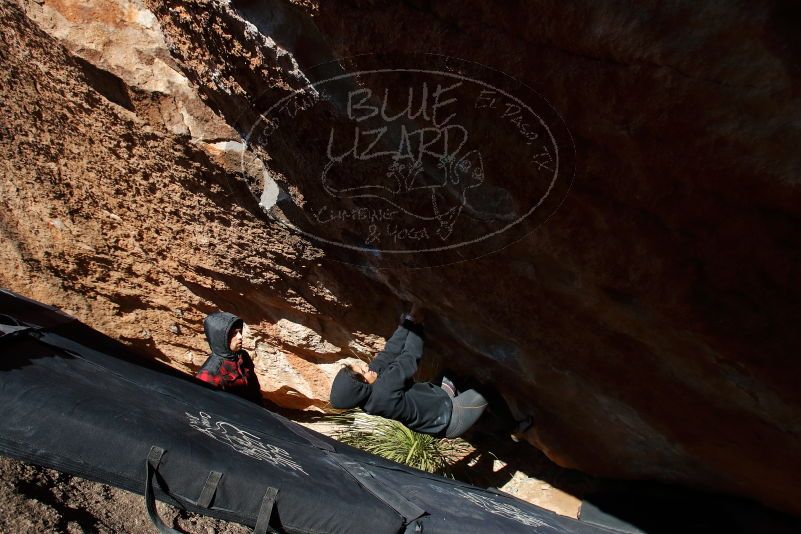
x=449, y=387
x=522, y=427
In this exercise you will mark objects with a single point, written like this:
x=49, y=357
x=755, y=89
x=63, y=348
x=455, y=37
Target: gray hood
x=217, y=325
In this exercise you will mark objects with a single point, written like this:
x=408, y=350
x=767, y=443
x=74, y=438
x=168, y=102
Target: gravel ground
x=34, y=499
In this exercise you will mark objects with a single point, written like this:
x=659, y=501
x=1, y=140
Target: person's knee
x=455, y=428
x=472, y=399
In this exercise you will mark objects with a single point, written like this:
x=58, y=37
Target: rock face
x=136, y=229
x=648, y=324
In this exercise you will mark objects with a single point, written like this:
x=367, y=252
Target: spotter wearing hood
x=217, y=326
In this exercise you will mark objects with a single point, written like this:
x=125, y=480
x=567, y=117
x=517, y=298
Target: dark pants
x=467, y=408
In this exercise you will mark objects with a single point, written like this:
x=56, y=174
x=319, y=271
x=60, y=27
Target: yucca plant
x=392, y=440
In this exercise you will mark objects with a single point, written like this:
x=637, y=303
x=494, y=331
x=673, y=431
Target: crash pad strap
x=7, y=329
x=11, y=325
x=403, y=506
x=266, y=512
x=209, y=489
x=8, y=319
x=151, y=465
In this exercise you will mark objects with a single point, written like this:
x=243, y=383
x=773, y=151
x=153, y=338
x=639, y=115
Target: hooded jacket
x=422, y=407
x=224, y=369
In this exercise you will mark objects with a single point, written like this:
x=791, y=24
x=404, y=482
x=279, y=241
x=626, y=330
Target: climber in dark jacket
x=386, y=388
x=229, y=367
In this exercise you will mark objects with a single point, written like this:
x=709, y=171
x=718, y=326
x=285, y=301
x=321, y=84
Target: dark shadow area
x=334, y=320
x=629, y=506
x=654, y=507
x=67, y=514
x=492, y=439
x=645, y=506
x=235, y=192
x=292, y=30
x=299, y=400
x=26, y=349
x=110, y=86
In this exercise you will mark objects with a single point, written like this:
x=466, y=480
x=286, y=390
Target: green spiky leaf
x=392, y=440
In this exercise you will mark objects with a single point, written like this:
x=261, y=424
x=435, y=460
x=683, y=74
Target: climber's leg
x=467, y=408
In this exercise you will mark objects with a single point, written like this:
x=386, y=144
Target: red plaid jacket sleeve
x=206, y=376
x=230, y=375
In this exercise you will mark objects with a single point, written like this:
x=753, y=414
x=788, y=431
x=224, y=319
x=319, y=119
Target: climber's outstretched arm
x=396, y=374
x=409, y=322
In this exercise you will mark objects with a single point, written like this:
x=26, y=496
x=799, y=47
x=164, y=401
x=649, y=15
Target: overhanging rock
x=83, y=403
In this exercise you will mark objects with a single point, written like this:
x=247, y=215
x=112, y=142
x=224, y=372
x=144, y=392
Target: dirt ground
x=34, y=499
